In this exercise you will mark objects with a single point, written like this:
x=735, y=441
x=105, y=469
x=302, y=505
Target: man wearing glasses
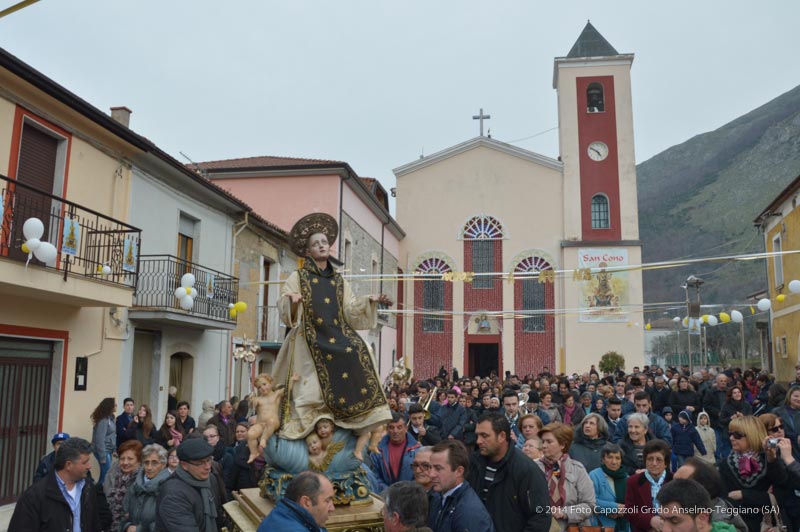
x=188, y=499
x=421, y=466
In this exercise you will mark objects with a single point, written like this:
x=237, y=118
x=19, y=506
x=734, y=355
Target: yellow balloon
x=240, y=306
x=704, y=318
x=25, y=248
x=780, y=298
x=647, y=327
x=724, y=317
x=233, y=313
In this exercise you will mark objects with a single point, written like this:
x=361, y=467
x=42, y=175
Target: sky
x=378, y=83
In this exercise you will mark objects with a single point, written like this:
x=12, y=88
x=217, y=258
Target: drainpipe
x=380, y=291
x=237, y=229
x=341, y=208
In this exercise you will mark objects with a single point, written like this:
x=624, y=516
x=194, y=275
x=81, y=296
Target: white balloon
x=46, y=252
x=712, y=320
x=33, y=244
x=33, y=228
x=187, y=302
x=764, y=304
x=794, y=286
x=187, y=280
x=736, y=316
x=230, y=305
x=181, y=292
x=676, y=319
x=106, y=270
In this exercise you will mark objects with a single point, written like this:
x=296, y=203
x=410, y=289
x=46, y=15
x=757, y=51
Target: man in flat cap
x=189, y=500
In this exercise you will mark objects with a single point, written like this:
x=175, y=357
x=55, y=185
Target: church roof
x=591, y=44
x=487, y=142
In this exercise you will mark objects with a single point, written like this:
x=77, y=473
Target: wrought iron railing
x=160, y=275
x=271, y=329
x=88, y=243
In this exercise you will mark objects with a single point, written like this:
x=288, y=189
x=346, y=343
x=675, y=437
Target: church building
x=526, y=255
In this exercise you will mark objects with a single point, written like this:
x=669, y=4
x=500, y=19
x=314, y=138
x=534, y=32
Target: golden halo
x=318, y=222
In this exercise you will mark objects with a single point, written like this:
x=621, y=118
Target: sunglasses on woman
x=776, y=429
x=736, y=435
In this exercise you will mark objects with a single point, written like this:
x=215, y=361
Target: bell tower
x=596, y=140
x=601, y=221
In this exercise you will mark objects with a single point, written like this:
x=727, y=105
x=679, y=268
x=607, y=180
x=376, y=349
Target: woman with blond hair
x=571, y=490
x=749, y=472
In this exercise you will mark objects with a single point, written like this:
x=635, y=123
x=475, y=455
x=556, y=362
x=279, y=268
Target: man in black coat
x=511, y=485
x=189, y=499
x=452, y=417
x=426, y=435
x=713, y=400
x=48, y=506
x=660, y=395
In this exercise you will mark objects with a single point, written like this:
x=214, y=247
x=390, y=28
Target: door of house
x=38, y=153
x=25, y=369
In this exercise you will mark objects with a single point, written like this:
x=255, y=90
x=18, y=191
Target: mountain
x=699, y=199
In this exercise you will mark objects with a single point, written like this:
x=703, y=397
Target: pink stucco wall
x=359, y=211
x=284, y=200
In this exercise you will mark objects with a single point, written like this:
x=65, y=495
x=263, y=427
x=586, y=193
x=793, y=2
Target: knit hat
x=667, y=410
x=685, y=414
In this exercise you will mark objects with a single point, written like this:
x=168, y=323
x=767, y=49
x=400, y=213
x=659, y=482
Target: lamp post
x=246, y=352
x=692, y=310
x=677, y=321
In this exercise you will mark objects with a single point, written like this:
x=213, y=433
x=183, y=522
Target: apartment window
x=777, y=260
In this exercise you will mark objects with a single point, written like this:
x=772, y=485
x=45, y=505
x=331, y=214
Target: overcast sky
x=376, y=83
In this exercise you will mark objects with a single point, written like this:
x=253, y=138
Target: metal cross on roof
x=481, y=117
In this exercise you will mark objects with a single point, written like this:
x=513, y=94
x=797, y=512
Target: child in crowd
x=709, y=438
x=685, y=437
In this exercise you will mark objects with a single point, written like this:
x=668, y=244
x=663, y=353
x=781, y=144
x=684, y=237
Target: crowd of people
x=621, y=451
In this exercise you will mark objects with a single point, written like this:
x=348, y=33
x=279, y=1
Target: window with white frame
x=777, y=260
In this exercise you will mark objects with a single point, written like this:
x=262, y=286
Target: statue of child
x=267, y=405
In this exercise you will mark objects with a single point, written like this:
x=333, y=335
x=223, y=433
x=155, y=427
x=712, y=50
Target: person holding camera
x=751, y=469
x=788, y=495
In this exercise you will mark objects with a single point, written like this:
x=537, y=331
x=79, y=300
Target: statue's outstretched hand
x=383, y=299
x=294, y=297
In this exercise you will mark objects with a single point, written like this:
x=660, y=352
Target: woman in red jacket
x=642, y=488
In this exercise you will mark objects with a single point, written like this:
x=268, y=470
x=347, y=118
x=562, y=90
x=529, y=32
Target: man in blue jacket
x=305, y=506
x=126, y=431
x=397, y=450
x=454, y=506
x=453, y=417
x=658, y=428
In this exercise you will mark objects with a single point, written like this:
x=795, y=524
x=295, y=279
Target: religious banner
x=129, y=254
x=72, y=237
x=604, y=294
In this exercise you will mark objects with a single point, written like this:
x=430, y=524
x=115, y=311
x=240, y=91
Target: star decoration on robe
x=332, y=340
x=315, y=280
x=319, y=321
x=329, y=357
x=342, y=400
x=349, y=349
x=335, y=321
x=363, y=391
x=345, y=376
x=327, y=300
x=333, y=283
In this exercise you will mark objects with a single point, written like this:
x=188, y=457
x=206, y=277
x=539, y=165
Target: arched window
x=481, y=231
x=533, y=293
x=600, y=215
x=433, y=293
x=595, y=103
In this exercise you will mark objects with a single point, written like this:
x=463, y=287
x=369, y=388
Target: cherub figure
x=316, y=454
x=324, y=431
x=374, y=438
x=267, y=405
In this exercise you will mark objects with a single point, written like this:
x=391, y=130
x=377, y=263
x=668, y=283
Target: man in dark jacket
x=454, y=506
x=660, y=394
x=126, y=429
x=305, y=506
x=511, y=485
x=225, y=423
x=48, y=463
x=64, y=499
x=424, y=434
x=452, y=417
x=713, y=400
x=189, y=499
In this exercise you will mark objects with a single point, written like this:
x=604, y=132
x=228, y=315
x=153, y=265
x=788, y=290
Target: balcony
x=95, y=264
x=155, y=301
x=271, y=330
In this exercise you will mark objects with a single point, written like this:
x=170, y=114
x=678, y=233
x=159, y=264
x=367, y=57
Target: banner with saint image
x=604, y=293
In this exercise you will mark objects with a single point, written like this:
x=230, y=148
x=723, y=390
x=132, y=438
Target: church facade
x=521, y=261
